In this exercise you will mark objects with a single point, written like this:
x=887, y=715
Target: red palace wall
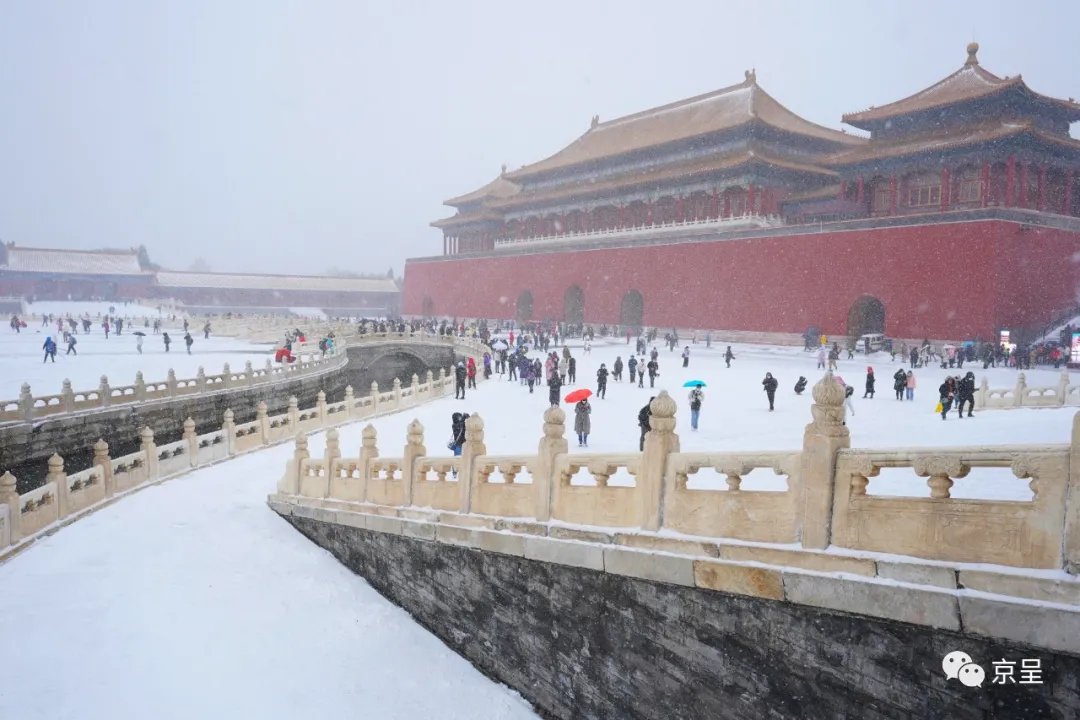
x=954, y=280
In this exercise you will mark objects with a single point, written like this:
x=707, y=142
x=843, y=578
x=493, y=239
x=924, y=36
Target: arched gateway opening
x=574, y=305
x=867, y=315
x=632, y=312
x=427, y=308
x=524, y=307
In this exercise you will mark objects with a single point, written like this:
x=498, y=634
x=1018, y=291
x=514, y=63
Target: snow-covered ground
x=192, y=599
x=735, y=415
x=197, y=601
x=21, y=353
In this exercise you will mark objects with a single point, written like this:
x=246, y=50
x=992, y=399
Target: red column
x=727, y=206
x=892, y=195
x=1067, y=202
x=751, y=197
x=679, y=208
x=1042, y=189
x=1010, y=181
x=946, y=189
x=860, y=194
x=985, y=183
x=714, y=204
x=1022, y=195
x=444, y=244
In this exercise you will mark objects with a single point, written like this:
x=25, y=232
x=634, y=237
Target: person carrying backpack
x=696, y=397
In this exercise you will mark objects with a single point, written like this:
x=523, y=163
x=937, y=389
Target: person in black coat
x=457, y=434
x=654, y=369
x=769, y=383
x=965, y=393
x=800, y=385
x=914, y=358
x=946, y=393
x=644, y=421
x=459, y=381
x=728, y=356
x=870, y=383
x=899, y=383
x=554, y=386
x=601, y=381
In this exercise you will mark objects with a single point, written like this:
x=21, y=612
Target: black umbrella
x=138, y=332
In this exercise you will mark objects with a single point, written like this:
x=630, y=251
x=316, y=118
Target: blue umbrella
x=693, y=383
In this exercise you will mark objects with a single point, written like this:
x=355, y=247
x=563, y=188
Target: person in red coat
x=470, y=372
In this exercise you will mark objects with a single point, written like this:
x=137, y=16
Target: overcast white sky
x=297, y=136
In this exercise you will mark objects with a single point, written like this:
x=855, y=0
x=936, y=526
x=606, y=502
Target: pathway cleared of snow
x=192, y=599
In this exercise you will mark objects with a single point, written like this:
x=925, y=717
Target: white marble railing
x=1021, y=395
x=63, y=498
x=816, y=497
x=726, y=223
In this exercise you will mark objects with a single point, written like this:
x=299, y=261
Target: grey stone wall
x=586, y=644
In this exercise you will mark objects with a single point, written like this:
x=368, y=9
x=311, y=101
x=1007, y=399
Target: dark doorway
x=524, y=307
x=428, y=307
x=632, y=312
x=574, y=305
x=867, y=315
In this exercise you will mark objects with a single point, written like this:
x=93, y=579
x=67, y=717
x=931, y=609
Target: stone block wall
x=579, y=642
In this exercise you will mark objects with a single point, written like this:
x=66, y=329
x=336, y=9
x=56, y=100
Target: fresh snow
x=193, y=599
x=21, y=355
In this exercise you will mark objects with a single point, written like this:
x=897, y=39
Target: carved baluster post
x=552, y=444
x=350, y=402
x=1072, y=503
x=68, y=396
x=1063, y=387
x=1021, y=388
x=823, y=438
x=171, y=381
x=660, y=442
x=396, y=394
x=374, y=398
x=263, y=418
x=226, y=376
x=26, y=403
x=103, y=461
x=269, y=369
x=474, y=448
x=320, y=407
x=294, y=413
x=368, y=451
x=200, y=380
x=146, y=439
x=104, y=392
x=442, y=383
x=331, y=459
x=290, y=482
x=984, y=392
x=192, y=440
x=228, y=429
x=430, y=384
x=57, y=475
x=249, y=373
x=414, y=450
x=140, y=387
x=10, y=496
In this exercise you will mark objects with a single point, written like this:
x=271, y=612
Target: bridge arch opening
x=574, y=305
x=867, y=315
x=632, y=311
x=524, y=311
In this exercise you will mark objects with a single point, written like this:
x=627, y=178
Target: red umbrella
x=578, y=395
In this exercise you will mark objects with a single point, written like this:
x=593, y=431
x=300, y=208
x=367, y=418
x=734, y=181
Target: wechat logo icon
x=958, y=665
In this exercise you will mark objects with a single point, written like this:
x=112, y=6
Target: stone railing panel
x=38, y=509
x=599, y=504
x=211, y=447
x=733, y=511
x=314, y=478
x=512, y=495
x=309, y=420
x=173, y=458
x=129, y=470
x=279, y=428
x=348, y=481
x=246, y=437
x=86, y=488
x=385, y=482
x=435, y=484
x=1023, y=534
